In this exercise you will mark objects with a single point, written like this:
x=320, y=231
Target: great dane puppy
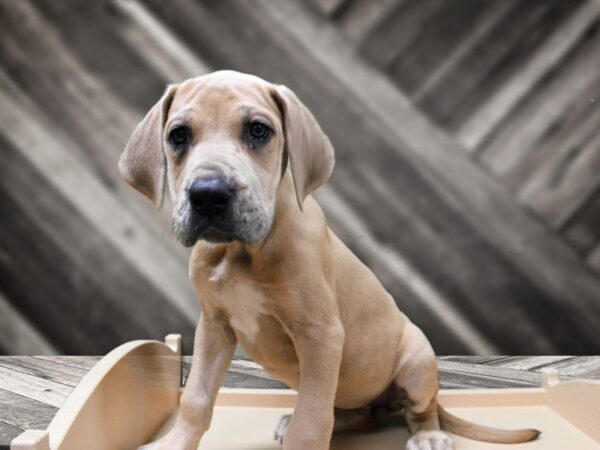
x=240, y=157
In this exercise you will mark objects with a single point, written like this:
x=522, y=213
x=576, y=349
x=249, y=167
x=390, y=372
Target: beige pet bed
x=130, y=397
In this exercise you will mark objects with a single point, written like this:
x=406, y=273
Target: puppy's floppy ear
x=143, y=162
x=310, y=152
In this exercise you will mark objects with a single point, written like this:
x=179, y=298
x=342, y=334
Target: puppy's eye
x=180, y=137
x=259, y=131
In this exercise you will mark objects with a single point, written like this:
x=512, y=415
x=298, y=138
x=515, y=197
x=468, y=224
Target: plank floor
x=32, y=388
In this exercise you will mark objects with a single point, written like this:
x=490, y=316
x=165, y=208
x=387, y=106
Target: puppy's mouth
x=210, y=229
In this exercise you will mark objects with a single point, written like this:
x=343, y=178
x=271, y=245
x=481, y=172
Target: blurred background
x=467, y=135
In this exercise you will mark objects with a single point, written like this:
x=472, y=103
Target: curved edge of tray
x=98, y=413
x=578, y=402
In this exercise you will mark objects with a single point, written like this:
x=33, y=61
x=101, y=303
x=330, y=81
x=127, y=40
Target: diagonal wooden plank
x=24, y=412
x=241, y=374
x=46, y=369
x=459, y=380
x=243, y=380
x=486, y=118
x=527, y=362
x=594, y=257
x=582, y=229
x=79, y=362
x=359, y=17
x=96, y=119
x=159, y=47
x=79, y=186
x=567, y=179
x=329, y=7
x=459, y=27
x=397, y=30
x=493, y=374
x=18, y=334
x=527, y=143
x=492, y=60
x=81, y=315
x=579, y=366
x=472, y=359
x=48, y=392
x=7, y=434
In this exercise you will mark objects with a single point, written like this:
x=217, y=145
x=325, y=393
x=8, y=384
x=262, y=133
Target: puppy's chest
x=244, y=304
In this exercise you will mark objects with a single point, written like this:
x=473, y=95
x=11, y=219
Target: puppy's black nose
x=210, y=196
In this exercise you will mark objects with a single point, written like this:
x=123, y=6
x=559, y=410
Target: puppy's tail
x=464, y=428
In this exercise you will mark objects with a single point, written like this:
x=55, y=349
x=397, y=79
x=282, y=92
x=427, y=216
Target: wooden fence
x=466, y=134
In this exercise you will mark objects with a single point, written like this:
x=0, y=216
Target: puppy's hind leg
x=417, y=377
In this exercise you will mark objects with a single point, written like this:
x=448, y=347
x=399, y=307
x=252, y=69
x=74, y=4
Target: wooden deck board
x=26, y=404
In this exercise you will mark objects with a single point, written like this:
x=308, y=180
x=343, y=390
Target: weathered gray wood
x=557, y=192
x=46, y=369
x=532, y=135
x=501, y=374
x=45, y=391
x=17, y=333
x=450, y=33
x=397, y=31
x=157, y=45
x=22, y=411
x=329, y=7
x=359, y=17
x=79, y=362
x=481, y=249
x=594, y=258
x=578, y=367
x=7, y=434
x=582, y=229
x=95, y=123
x=81, y=273
x=474, y=131
x=497, y=56
x=103, y=124
x=473, y=359
x=482, y=24
x=529, y=362
x=241, y=374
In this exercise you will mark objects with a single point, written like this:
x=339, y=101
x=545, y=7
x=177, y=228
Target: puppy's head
x=221, y=143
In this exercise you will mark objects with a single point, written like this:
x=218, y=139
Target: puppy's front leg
x=319, y=350
x=214, y=345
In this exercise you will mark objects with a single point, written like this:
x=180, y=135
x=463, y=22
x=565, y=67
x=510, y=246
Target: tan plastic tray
x=131, y=396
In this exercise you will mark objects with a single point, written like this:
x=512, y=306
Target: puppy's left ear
x=143, y=163
x=310, y=152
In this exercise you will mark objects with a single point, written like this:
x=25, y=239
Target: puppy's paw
x=430, y=440
x=281, y=428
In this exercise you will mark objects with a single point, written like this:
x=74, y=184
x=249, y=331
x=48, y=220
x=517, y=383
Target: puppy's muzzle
x=210, y=196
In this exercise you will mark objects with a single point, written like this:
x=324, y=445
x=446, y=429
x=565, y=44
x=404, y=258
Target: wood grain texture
x=395, y=84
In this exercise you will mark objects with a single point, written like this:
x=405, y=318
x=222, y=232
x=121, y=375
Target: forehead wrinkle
x=254, y=111
x=214, y=98
x=182, y=116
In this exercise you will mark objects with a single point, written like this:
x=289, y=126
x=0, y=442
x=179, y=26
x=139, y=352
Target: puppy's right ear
x=143, y=163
